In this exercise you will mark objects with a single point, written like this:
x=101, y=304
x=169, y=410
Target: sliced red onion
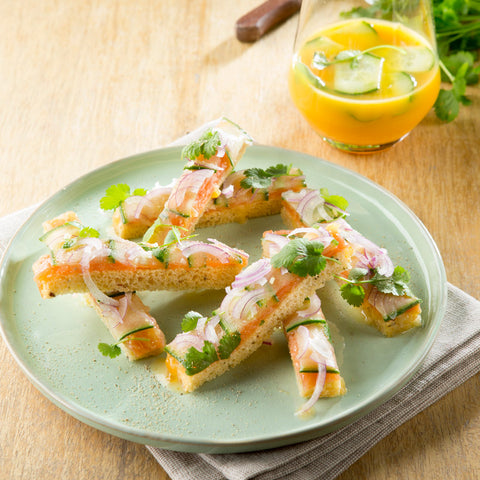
x=247, y=306
x=190, y=182
x=319, y=384
x=273, y=243
x=143, y=203
x=227, y=192
x=369, y=254
x=94, y=248
x=253, y=274
x=314, y=307
x=321, y=347
x=227, y=248
x=183, y=341
x=192, y=248
x=302, y=336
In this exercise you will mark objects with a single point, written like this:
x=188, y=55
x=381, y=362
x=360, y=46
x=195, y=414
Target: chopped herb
x=113, y=350
x=206, y=146
x=302, y=257
x=228, y=343
x=354, y=293
x=190, y=321
x=335, y=200
x=88, y=232
x=196, y=361
x=115, y=195
x=259, y=178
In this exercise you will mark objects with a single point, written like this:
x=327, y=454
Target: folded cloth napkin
x=454, y=357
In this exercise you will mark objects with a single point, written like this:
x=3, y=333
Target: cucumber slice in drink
x=413, y=59
x=308, y=75
x=357, y=28
x=361, y=74
x=401, y=83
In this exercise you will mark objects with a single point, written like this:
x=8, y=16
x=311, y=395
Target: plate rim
x=261, y=442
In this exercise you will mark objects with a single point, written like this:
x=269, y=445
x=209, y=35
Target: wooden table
x=85, y=83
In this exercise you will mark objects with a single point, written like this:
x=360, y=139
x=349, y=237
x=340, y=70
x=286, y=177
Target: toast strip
x=80, y=264
x=313, y=357
x=391, y=314
x=130, y=324
x=211, y=159
x=256, y=304
x=236, y=203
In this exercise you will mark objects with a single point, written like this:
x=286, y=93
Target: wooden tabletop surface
x=85, y=83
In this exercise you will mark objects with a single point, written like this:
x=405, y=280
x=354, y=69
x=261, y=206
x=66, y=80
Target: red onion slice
x=314, y=307
x=192, y=248
x=319, y=384
x=273, y=243
x=254, y=273
x=191, y=182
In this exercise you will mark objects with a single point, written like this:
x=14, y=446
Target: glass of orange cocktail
x=362, y=77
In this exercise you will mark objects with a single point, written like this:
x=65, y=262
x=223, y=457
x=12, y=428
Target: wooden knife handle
x=264, y=18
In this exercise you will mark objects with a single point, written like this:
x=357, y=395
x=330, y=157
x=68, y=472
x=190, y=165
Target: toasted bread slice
x=88, y=264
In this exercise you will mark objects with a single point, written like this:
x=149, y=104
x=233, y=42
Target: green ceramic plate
x=252, y=406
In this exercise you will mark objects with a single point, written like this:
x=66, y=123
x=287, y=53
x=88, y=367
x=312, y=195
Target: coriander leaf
x=357, y=274
x=256, y=178
x=190, y=321
x=278, y=170
x=228, y=343
x=139, y=192
x=196, y=361
x=88, y=232
x=206, y=146
x=302, y=257
x=352, y=293
x=107, y=350
x=336, y=200
x=446, y=106
x=114, y=196
x=395, y=285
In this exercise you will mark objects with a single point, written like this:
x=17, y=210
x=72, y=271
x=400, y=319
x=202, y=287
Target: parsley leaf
x=353, y=293
x=207, y=146
x=196, y=361
x=114, y=196
x=336, y=200
x=190, y=321
x=88, y=232
x=228, y=343
x=302, y=257
x=111, y=351
x=259, y=178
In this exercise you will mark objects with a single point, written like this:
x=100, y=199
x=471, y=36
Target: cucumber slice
x=324, y=43
x=413, y=59
x=308, y=75
x=401, y=309
x=315, y=370
x=401, y=83
x=56, y=237
x=361, y=74
x=306, y=321
x=357, y=28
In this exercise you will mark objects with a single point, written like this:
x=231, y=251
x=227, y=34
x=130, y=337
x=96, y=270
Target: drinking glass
x=364, y=74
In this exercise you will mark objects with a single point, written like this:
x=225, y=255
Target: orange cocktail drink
x=364, y=84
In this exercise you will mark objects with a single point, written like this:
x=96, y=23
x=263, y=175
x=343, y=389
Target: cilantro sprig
x=115, y=195
x=354, y=293
x=301, y=257
x=259, y=178
x=113, y=350
x=206, y=146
